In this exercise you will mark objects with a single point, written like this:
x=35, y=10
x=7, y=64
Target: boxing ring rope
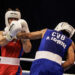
x=30, y=60
x=26, y=59
x=26, y=72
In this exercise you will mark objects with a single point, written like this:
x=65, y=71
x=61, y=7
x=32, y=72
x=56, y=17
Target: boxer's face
x=12, y=19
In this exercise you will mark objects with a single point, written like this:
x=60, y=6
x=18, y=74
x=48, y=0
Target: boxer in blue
x=54, y=45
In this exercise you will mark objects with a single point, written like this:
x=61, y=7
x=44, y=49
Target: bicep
x=39, y=34
x=36, y=35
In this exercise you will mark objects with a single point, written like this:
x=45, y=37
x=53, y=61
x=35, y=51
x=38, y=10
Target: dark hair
x=17, y=9
x=9, y=9
x=65, y=33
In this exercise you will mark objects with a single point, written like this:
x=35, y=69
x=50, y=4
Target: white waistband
x=48, y=55
x=9, y=60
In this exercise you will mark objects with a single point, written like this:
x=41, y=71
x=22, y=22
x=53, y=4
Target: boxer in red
x=12, y=48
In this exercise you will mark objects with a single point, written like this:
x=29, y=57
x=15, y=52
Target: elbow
x=2, y=44
x=71, y=62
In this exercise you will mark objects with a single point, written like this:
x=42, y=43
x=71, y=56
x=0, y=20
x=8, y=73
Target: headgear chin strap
x=12, y=14
x=65, y=26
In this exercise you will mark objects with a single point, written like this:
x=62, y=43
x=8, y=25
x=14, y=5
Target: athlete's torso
x=55, y=42
x=12, y=49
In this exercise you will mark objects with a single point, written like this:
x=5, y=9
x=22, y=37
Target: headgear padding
x=65, y=26
x=12, y=14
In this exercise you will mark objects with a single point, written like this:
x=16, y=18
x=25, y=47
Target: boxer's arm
x=70, y=58
x=32, y=35
x=25, y=42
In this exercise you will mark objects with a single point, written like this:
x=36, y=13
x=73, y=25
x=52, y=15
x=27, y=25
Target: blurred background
x=40, y=14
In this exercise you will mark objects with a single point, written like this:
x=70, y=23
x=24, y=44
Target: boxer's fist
x=24, y=25
x=14, y=28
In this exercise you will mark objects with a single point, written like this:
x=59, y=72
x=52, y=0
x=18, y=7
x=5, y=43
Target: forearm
x=66, y=65
x=32, y=35
x=23, y=35
x=26, y=45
